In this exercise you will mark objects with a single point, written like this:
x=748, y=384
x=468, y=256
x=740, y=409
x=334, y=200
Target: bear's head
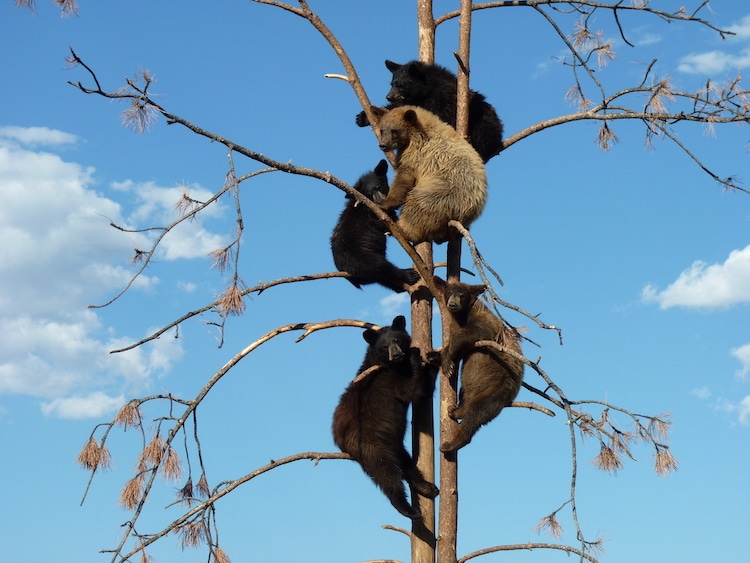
x=390, y=344
x=459, y=297
x=408, y=84
x=374, y=185
x=397, y=127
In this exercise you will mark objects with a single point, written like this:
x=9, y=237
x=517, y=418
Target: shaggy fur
x=439, y=176
x=433, y=88
x=370, y=420
x=358, y=242
x=490, y=379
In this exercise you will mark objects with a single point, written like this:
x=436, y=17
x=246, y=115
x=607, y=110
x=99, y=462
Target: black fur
x=433, y=88
x=370, y=420
x=358, y=241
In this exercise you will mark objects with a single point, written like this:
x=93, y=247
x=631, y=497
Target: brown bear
x=490, y=379
x=369, y=422
x=439, y=175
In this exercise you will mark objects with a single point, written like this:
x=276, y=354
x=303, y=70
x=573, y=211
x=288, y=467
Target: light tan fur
x=439, y=175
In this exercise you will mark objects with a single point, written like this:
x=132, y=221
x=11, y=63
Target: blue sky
x=639, y=257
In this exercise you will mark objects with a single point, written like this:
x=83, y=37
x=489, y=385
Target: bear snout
x=395, y=353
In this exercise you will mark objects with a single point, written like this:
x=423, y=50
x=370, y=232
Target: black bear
x=358, y=242
x=370, y=420
x=433, y=88
x=490, y=379
x=439, y=176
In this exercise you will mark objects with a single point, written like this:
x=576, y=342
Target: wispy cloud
x=393, y=304
x=713, y=63
x=701, y=392
x=741, y=409
x=37, y=136
x=743, y=355
x=741, y=28
x=706, y=285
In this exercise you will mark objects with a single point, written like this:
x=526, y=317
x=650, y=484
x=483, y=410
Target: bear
x=490, y=379
x=439, y=175
x=358, y=242
x=369, y=422
x=433, y=87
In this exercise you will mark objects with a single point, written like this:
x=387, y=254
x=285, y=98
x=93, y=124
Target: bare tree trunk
x=423, y=425
x=448, y=526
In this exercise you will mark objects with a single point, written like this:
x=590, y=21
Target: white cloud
x=741, y=28
x=741, y=409
x=743, y=355
x=713, y=63
x=707, y=285
x=393, y=304
x=156, y=206
x=37, y=136
x=701, y=392
x=94, y=405
x=59, y=254
x=744, y=411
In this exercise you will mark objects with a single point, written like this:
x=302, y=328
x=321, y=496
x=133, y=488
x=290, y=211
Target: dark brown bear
x=490, y=379
x=358, y=242
x=433, y=88
x=370, y=420
x=439, y=176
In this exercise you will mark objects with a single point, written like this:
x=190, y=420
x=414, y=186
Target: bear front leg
x=402, y=184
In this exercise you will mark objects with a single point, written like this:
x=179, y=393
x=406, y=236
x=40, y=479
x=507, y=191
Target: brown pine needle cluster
x=129, y=416
x=138, y=256
x=151, y=455
x=220, y=556
x=551, y=525
x=145, y=557
x=222, y=258
x=659, y=426
x=202, y=487
x=186, y=204
x=68, y=7
x=185, y=494
x=192, y=534
x=605, y=53
x=139, y=116
x=231, y=301
x=582, y=38
x=575, y=97
x=171, y=467
x=665, y=464
x=132, y=492
x=607, y=460
x=94, y=456
x=660, y=94
x=606, y=137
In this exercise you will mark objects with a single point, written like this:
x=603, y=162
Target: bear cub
x=490, y=379
x=369, y=422
x=439, y=175
x=358, y=242
x=434, y=88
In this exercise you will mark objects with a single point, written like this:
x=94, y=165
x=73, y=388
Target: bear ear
x=399, y=323
x=393, y=67
x=370, y=335
x=379, y=112
x=439, y=283
x=381, y=168
x=477, y=290
x=410, y=117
